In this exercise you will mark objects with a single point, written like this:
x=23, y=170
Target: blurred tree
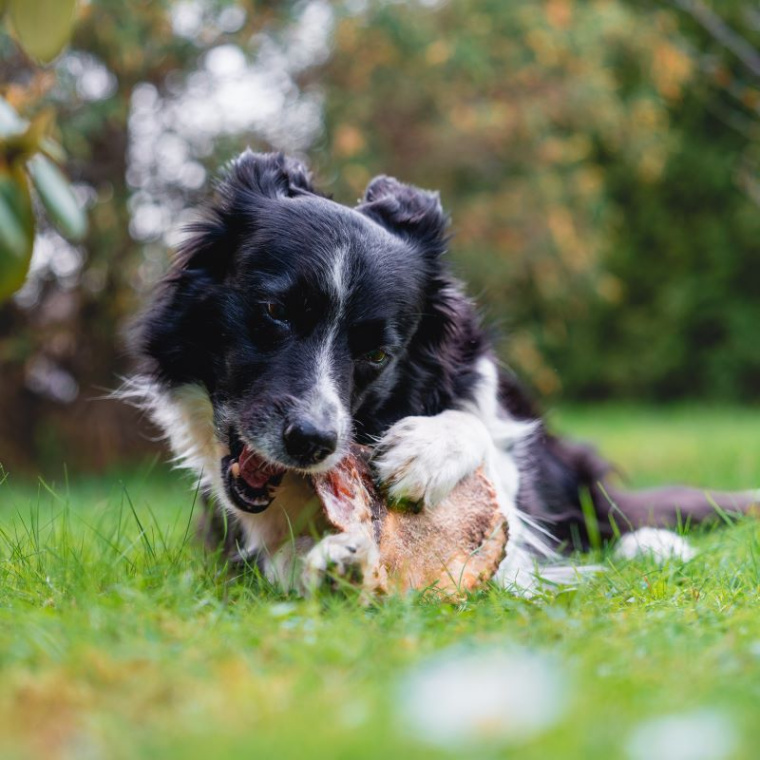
x=61, y=341
x=688, y=246
x=599, y=159
x=592, y=182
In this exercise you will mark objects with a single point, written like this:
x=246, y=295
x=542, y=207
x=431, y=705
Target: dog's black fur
x=263, y=248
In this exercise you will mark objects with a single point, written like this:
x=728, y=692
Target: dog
x=290, y=325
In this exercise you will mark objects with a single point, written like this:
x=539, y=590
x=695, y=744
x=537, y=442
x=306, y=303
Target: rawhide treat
x=453, y=547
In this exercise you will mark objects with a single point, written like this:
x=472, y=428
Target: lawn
x=119, y=638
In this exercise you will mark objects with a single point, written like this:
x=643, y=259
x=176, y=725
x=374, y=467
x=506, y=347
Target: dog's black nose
x=307, y=444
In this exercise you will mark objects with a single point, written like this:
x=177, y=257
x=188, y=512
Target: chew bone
x=455, y=547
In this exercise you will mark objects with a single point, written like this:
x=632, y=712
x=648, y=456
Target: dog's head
x=291, y=312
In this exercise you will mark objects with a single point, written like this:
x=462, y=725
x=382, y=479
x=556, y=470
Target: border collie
x=290, y=325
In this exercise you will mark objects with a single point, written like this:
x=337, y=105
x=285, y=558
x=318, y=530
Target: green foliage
x=56, y=195
x=134, y=45
x=16, y=232
x=25, y=148
x=42, y=27
x=119, y=638
x=596, y=185
x=600, y=160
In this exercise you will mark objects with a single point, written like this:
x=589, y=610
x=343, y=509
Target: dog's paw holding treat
x=342, y=560
x=422, y=459
x=453, y=549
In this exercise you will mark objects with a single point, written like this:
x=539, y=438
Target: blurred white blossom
x=700, y=735
x=232, y=92
x=492, y=695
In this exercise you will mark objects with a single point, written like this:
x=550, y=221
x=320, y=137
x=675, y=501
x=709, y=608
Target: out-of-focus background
x=599, y=160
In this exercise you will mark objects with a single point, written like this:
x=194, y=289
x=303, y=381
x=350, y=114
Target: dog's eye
x=276, y=311
x=377, y=357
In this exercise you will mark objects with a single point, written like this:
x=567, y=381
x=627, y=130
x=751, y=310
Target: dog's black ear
x=270, y=175
x=249, y=181
x=210, y=242
x=407, y=210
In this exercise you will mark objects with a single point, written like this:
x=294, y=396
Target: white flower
x=465, y=696
x=700, y=735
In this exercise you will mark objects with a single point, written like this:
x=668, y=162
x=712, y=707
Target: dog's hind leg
x=670, y=506
x=594, y=504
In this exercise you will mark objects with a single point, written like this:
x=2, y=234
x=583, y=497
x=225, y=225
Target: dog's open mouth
x=249, y=479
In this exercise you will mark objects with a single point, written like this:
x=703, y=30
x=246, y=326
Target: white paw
x=659, y=544
x=421, y=459
x=339, y=560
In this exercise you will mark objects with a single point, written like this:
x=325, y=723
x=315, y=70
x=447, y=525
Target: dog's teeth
x=235, y=470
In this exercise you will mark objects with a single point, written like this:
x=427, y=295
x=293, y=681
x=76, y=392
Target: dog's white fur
x=419, y=458
x=659, y=544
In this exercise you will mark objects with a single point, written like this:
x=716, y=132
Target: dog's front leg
x=421, y=459
x=284, y=567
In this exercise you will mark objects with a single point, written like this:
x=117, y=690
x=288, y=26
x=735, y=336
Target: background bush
x=599, y=160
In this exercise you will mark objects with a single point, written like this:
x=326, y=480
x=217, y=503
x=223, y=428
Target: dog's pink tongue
x=255, y=470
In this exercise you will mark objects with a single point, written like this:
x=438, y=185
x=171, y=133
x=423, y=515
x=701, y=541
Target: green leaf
x=52, y=149
x=13, y=239
x=43, y=27
x=16, y=233
x=10, y=122
x=58, y=198
x=20, y=138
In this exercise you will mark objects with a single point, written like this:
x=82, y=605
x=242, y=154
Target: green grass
x=120, y=638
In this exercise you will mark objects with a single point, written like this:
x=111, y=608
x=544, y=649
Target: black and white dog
x=291, y=325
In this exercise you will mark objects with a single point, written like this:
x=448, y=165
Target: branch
x=719, y=30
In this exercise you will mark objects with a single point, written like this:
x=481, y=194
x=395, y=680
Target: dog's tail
x=603, y=510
